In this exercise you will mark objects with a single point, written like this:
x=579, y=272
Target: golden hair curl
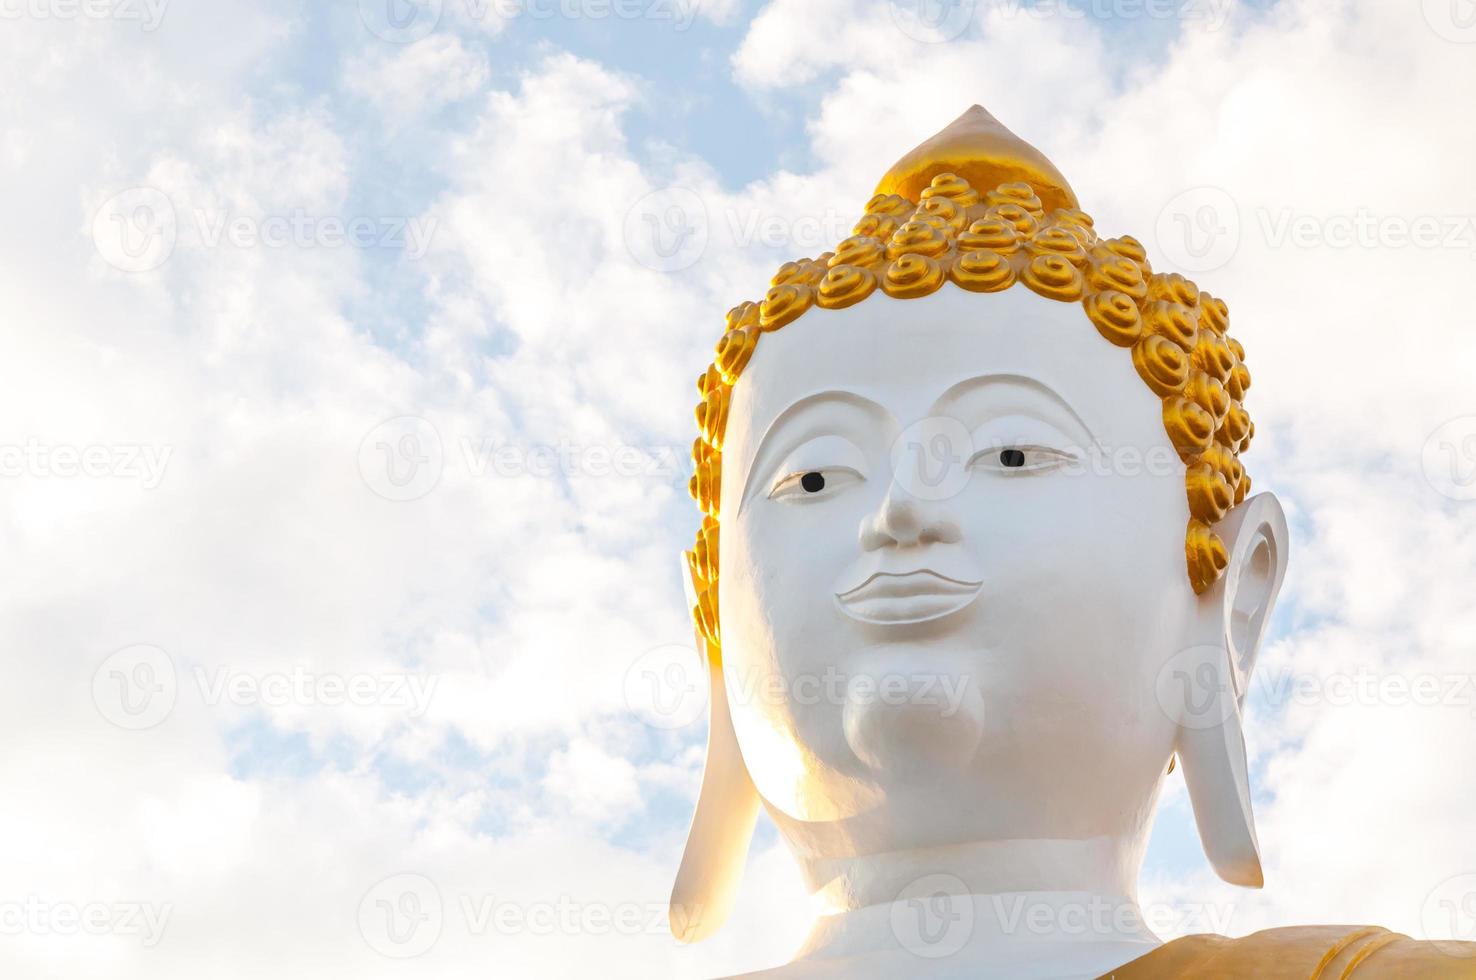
x=986, y=241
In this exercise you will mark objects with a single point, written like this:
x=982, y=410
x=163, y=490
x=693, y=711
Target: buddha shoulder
x=1305, y=953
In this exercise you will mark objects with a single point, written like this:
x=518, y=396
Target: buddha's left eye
x=1020, y=459
x=812, y=483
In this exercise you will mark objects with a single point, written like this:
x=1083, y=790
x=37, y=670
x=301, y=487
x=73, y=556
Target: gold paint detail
x=911, y=276
x=1115, y=316
x=845, y=285
x=978, y=150
x=982, y=271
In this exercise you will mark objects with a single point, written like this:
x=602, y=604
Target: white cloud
x=432, y=72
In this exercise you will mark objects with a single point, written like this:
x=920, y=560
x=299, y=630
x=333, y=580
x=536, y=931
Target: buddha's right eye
x=810, y=484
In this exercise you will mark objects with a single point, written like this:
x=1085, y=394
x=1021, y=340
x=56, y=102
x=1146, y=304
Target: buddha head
x=978, y=561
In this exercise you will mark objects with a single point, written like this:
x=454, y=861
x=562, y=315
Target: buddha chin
x=912, y=716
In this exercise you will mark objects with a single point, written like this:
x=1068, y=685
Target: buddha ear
x=1256, y=538
x=1232, y=621
x=722, y=825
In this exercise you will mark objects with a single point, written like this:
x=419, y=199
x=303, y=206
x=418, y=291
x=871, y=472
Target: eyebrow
x=967, y=386
x=785, y=418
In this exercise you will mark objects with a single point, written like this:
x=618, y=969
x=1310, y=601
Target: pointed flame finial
x=978, y=148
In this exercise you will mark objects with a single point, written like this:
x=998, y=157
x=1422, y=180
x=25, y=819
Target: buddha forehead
x=885, y=365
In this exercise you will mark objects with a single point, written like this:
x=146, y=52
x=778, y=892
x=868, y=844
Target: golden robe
x=1305, y=953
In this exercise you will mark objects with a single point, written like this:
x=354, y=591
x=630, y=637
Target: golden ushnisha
x=979, y=208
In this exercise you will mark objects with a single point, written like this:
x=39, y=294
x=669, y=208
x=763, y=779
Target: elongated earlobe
x=1216, y=671
x=722, y=825
x=1219, y=790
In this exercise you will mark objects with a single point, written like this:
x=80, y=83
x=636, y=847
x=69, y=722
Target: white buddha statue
x=979, y=564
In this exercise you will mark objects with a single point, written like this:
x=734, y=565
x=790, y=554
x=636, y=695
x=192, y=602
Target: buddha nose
x=904, y=521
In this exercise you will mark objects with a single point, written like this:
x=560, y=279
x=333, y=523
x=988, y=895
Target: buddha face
x=952, y=567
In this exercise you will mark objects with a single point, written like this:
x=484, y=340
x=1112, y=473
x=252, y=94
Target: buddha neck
x=1012, y=905
x=1101, y=866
